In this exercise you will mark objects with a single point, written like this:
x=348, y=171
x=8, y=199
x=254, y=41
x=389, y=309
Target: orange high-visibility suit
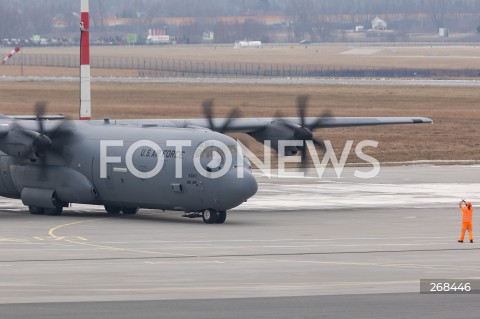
x=467, y=214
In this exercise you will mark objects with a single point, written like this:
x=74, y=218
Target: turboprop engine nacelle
x=22, y=143
x=278, y=131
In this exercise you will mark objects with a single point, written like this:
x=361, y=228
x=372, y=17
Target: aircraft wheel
x=54, y=211
x=113, y=210
x=209, y=216
x=222, y=216
x=36, y=210
x=130, y=210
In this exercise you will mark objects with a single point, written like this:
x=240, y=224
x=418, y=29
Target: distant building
x=443, y=32
x=379, y=24
x=247, y=44
x=208, y=36
x=157, y=36
x=359, y=28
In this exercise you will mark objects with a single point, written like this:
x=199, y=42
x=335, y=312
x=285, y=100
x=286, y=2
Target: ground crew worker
x=467, y=214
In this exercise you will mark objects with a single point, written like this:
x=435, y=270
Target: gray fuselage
x=115, y=165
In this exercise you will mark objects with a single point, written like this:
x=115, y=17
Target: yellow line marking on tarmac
x=38, y=238
x=51, y=233
x=13, y=240
x=81, y=238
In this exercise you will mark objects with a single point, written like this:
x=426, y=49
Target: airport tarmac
x=300, y=247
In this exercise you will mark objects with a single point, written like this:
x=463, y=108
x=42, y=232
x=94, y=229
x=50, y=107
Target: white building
x=379, y=24
x=443, y=32
x=157, y=36
x=247, y=44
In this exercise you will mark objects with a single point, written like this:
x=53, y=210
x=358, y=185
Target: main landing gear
x=115, y=210
x=48, y=211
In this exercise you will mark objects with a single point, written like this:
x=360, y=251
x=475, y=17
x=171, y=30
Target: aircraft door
x=109, y=180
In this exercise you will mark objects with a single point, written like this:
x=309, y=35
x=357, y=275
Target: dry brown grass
x=455, y=111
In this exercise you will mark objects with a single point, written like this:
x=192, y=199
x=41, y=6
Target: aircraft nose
x=237, y=191
x=247, y=185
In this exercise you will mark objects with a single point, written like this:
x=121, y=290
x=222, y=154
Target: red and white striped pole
x=11, y=54
x=85, y=96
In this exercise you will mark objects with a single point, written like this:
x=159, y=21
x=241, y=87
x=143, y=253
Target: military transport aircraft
x=187, y=165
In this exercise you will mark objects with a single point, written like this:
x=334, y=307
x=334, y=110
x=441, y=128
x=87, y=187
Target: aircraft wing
x=249, y=125
x=32, y=117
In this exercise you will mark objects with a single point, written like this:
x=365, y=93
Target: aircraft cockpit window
x=209, y=151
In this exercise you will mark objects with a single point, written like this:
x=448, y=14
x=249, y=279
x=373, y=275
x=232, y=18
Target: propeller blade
x=62, y=131
x=59, y=150
x=39, y=113
x=41, y=144
x=278, y=115
x=289, y=124
x=40, y=126
x=320, y=120
x=234, y=113
x=40, y=108
x=208, y=112
x=320, y=144
x=304, y=155
x=49, y=140
x=317, y=143
x=61, y=135
x=302, y=101
x=302, y=131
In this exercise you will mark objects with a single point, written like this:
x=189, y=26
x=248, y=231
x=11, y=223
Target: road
x=259, y=80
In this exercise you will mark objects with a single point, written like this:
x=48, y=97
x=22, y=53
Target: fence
x=154, y=67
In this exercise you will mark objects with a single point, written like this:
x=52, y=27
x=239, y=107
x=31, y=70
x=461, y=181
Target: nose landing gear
x=211, y=216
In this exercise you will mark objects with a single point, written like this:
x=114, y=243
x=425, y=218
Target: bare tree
x=22, y=18
x=8, y=16
x=438, y=11
x=304, y=12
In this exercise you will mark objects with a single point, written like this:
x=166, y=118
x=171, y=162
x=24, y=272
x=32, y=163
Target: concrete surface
x=341, y=246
